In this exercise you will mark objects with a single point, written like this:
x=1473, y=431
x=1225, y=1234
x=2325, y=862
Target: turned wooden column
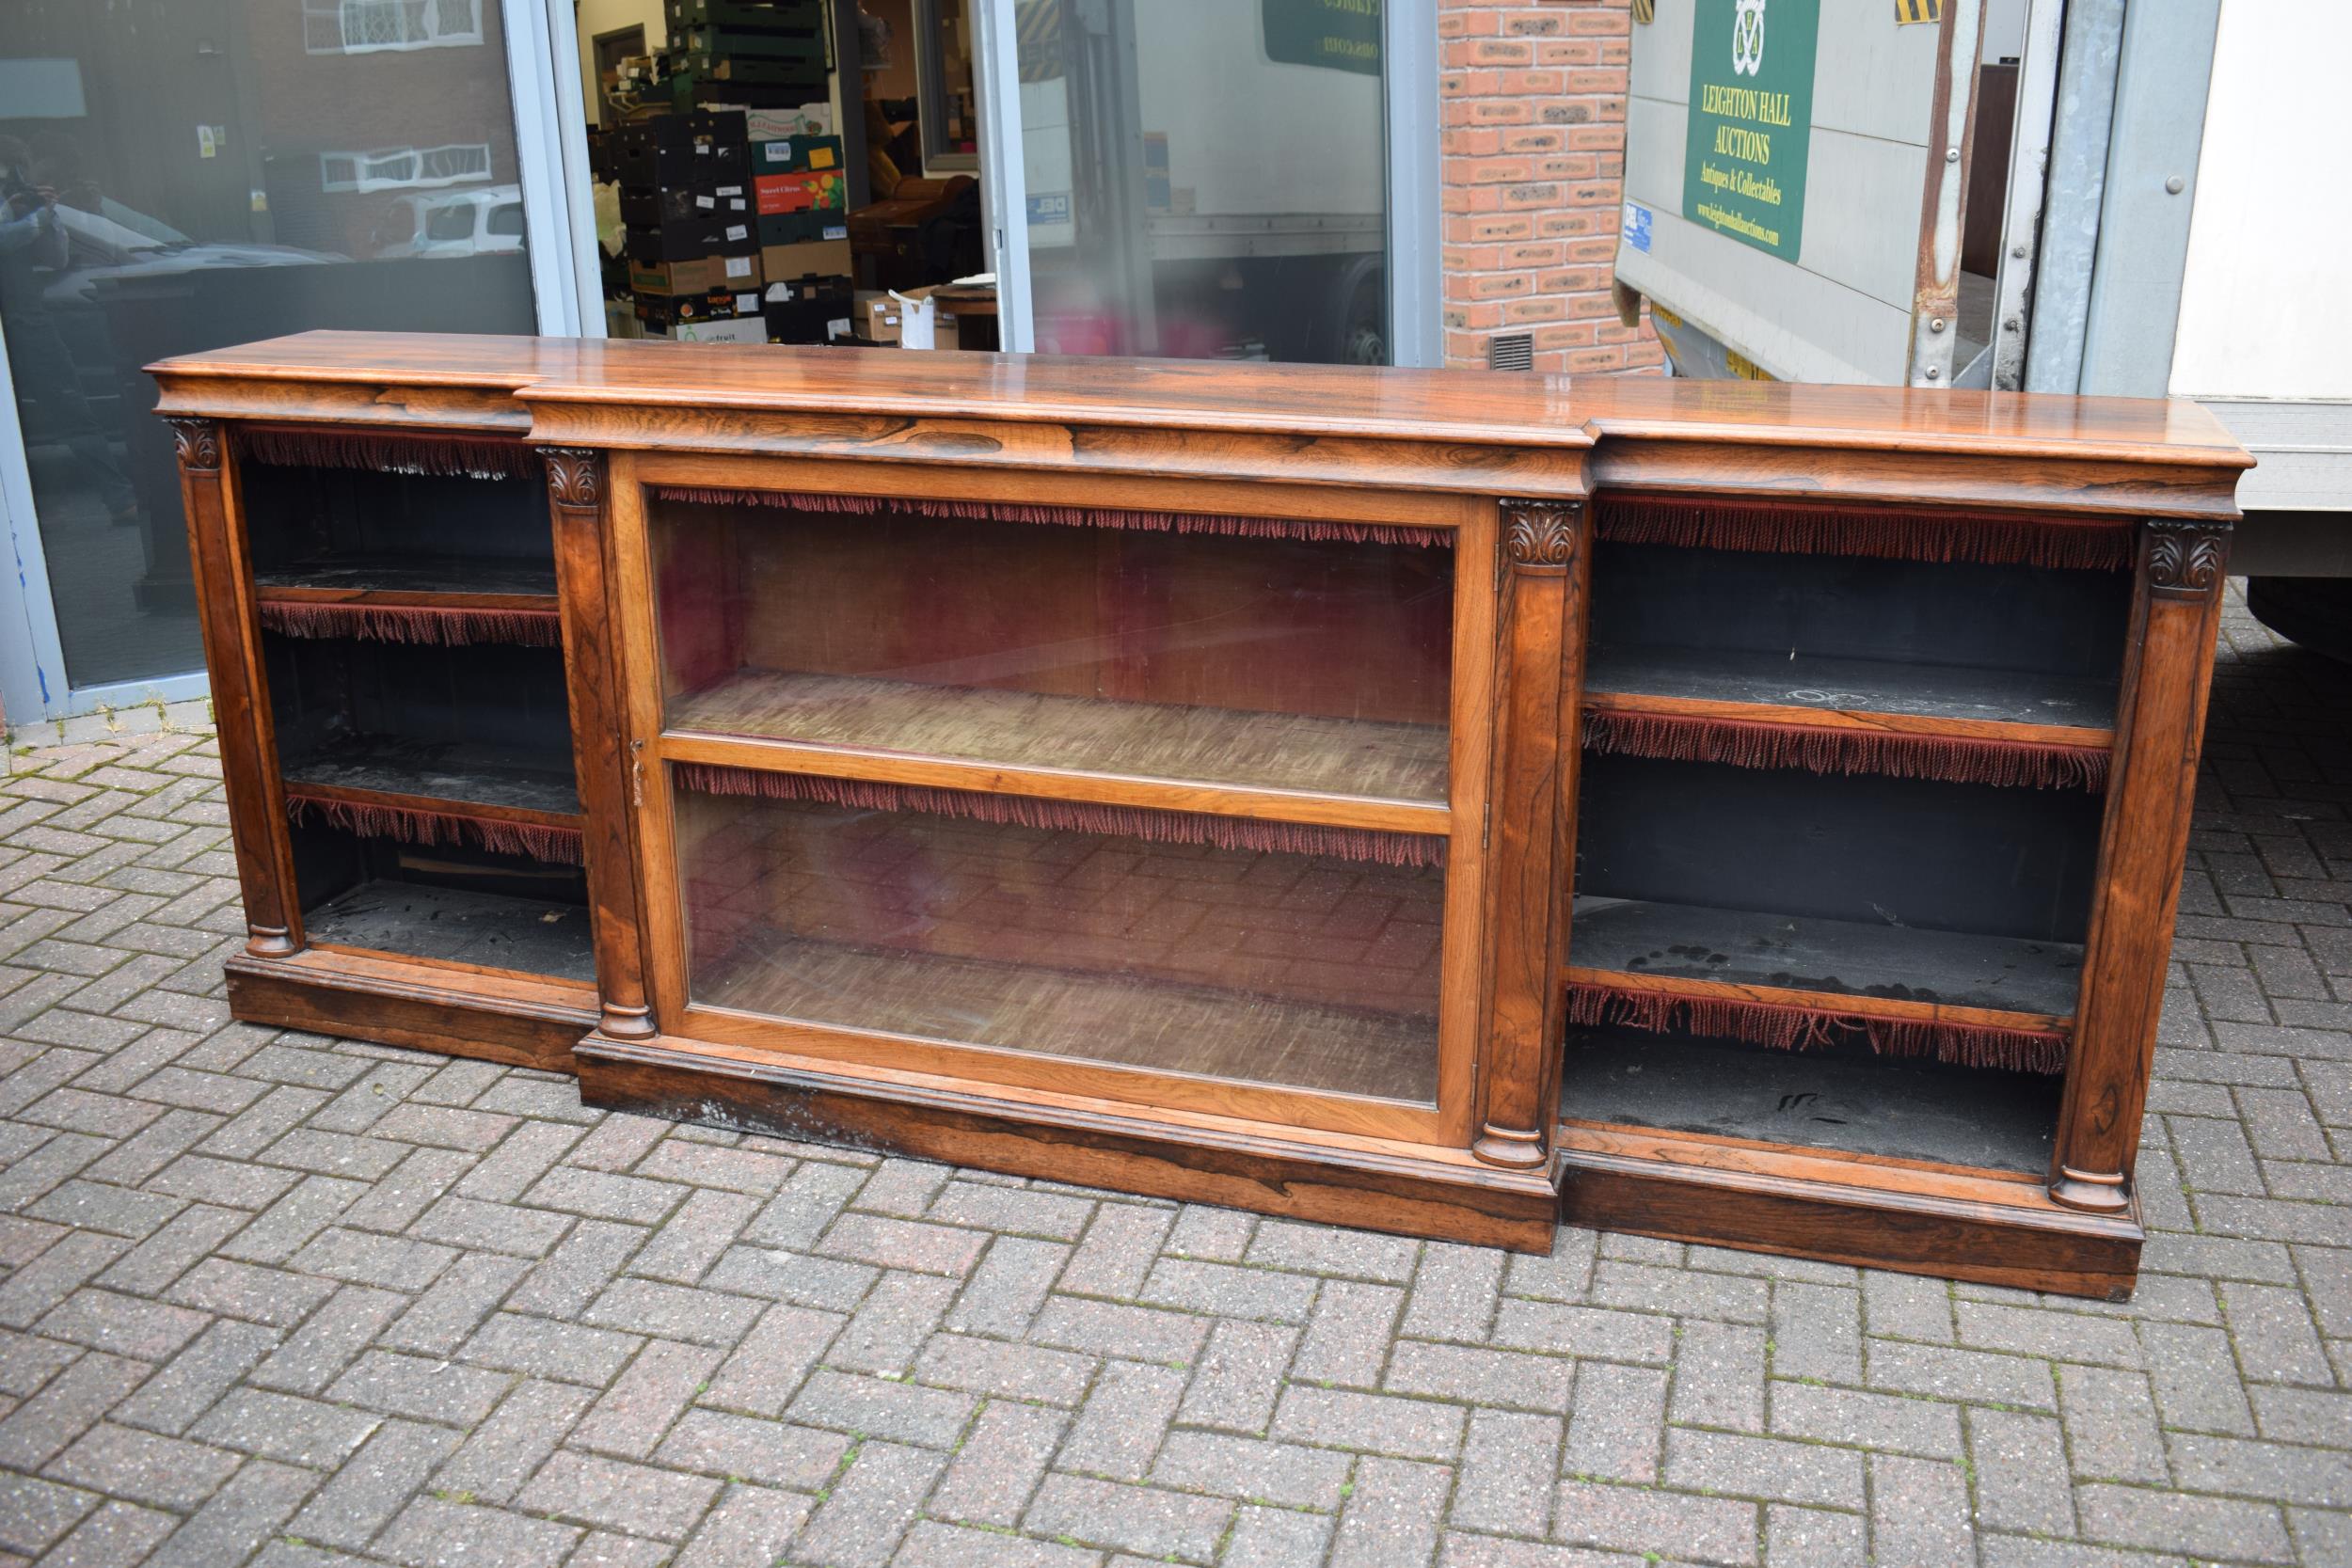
x=1539, y=671
x=241, y=711
x=2159, y=724
x=591, y=675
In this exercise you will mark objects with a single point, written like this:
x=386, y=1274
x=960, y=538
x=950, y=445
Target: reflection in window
x=1206, y=180
x=223, y=172
x=355, y=26
x=404, y=168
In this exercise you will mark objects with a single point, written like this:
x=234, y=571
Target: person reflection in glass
x=34, y=250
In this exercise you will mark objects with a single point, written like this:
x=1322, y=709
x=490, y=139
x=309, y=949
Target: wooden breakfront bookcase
x=1444, y=802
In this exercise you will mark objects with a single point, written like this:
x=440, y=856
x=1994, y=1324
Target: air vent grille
x=1511, y=351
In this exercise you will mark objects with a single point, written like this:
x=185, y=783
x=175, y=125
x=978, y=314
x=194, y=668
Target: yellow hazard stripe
x=1909, y=12
x=1037, y=30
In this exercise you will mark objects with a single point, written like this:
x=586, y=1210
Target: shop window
x=362, y=26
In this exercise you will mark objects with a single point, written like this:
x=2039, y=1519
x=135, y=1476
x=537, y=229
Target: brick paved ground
x=281, y=1299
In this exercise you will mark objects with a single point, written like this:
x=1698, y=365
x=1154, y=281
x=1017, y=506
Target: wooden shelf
x=439, y=775
x=1120, y=1019
x=1342, y=772
x=1886, y=971
x=1848, y=1102
x=1956, y=701
x=470, y=582
x=488, y=930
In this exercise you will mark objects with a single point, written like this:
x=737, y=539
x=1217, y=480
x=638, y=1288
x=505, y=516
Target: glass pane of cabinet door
x=1162, y=792
x=1304, y=664
x=866, y=910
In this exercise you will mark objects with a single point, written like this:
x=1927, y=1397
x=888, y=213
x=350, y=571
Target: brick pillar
x=1532, y=101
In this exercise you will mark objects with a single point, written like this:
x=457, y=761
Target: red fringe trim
x=390, y=623
x=1070, y=516
x=1789, y=1028
x=410, y=825
x=1747, y=743
x=389, y=452
x=1815, y=529
x=1162, y=827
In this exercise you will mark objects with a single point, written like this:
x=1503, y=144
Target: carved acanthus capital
x=575, y=475
x=2186, y=559
x=197, y=445
x=1540, y=535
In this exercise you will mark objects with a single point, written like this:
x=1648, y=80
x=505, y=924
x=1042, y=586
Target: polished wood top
x=1459, y=407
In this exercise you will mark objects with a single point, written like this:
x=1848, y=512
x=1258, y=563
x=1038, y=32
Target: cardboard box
x=807, y=310
x=661, y=312
x=815, y=190
x=875, y=315
x=693, y=151
x=927, y=318
x=804, y=227
x=809, y=119
x=700, y=276
x=809, y=258
x=691, y=241
x=741, y=329
x=662, y=207
x=795, y=155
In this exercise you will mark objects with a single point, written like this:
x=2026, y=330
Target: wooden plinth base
x=1955, y=1224
x=1338, y=1180
x=491, y=1014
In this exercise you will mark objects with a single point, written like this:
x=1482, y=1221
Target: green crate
x=729, y=44
x=789, y=14
x=754, y=73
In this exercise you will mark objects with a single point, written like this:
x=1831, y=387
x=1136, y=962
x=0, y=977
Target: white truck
x=2072, y=196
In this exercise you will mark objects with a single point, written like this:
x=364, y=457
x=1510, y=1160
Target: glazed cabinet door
x=1170, y=796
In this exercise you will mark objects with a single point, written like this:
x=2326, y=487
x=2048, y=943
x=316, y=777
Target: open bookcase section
x=478, y=725
x=1851, y=1101
x=1909, y=857
x=1312, y=971
x=1795, y=911
x=450, y=903
x=353, y=531
x=1965, y=672
x=1220, y=659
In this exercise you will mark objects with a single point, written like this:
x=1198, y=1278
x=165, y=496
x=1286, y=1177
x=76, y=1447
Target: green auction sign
x=1339, y=35
x=1751, y=119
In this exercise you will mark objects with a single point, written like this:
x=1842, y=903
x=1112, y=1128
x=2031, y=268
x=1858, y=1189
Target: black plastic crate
x=734, y=235
x=696, y=150
x=807, y=14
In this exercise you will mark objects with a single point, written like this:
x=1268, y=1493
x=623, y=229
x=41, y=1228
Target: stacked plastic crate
x=800, y=194
x=693, y=240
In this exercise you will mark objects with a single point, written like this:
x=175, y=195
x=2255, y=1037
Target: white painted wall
x=2263, y=313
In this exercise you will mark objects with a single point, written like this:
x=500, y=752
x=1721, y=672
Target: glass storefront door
x=1202, y=179
x=182, y=175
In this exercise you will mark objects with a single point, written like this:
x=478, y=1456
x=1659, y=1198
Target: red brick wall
x=1533, y=99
